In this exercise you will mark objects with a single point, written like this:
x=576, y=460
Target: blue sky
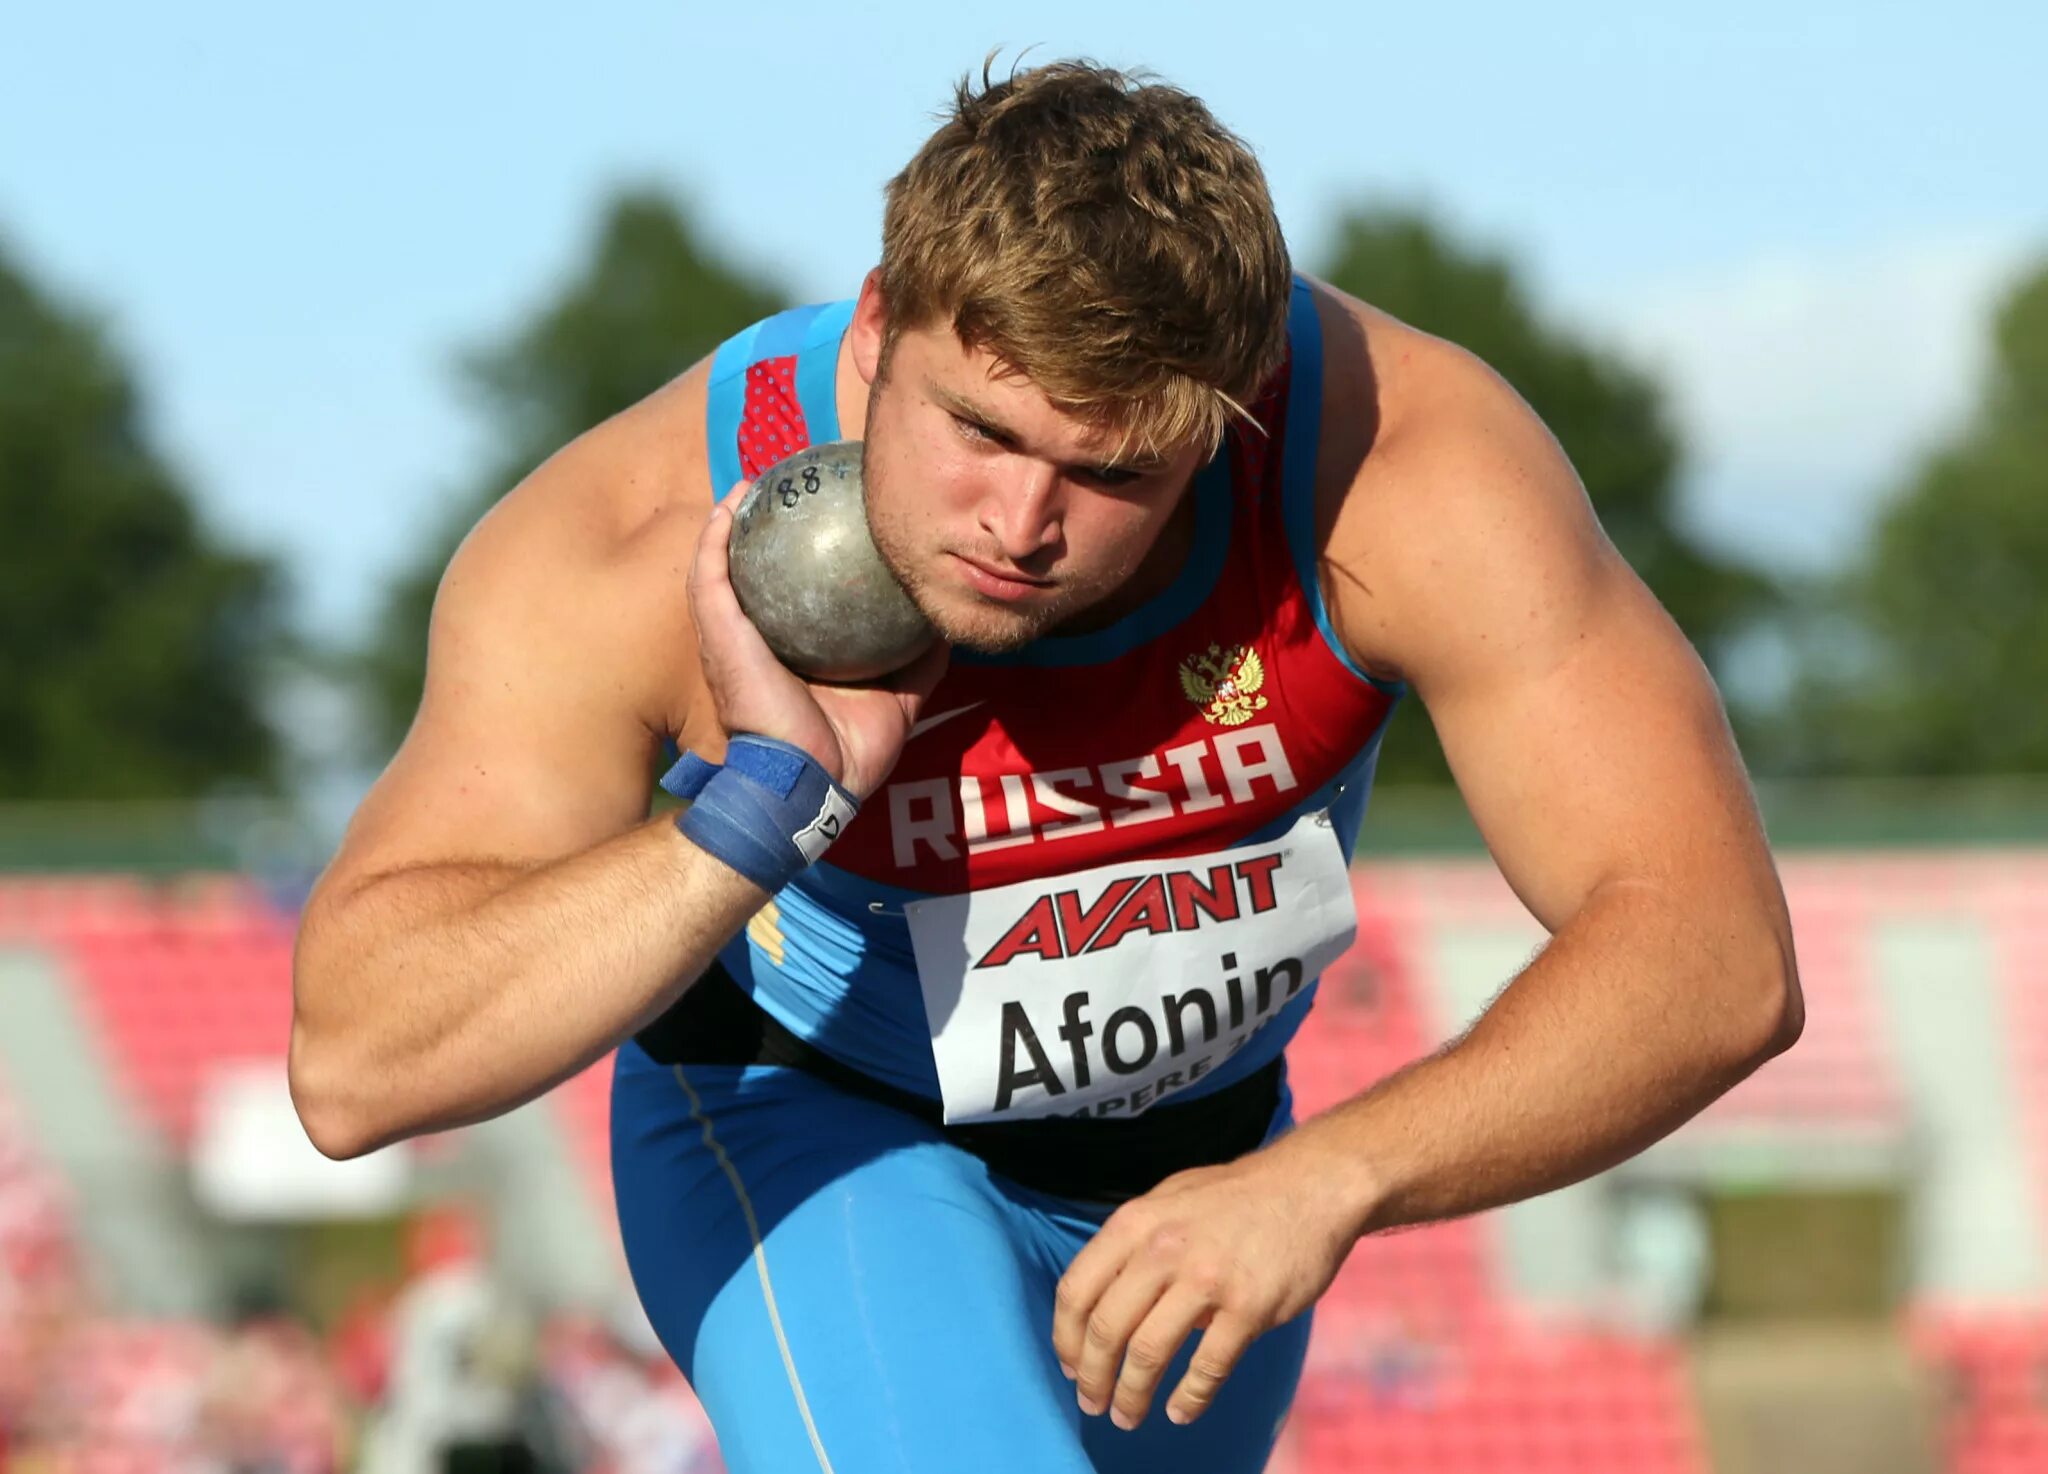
x=294, y=217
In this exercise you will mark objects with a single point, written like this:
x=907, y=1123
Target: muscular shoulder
x=559, y=654
x=1448, y=517
x=588, y=559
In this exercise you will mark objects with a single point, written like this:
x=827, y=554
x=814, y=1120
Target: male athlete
x=955, y=1134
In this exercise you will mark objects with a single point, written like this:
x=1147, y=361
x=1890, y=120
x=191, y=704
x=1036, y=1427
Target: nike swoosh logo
x=945, y=716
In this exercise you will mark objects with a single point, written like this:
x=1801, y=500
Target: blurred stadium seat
x=1426, y=1355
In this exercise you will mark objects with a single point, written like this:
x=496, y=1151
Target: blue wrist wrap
x=768, y=812
x=688, y=777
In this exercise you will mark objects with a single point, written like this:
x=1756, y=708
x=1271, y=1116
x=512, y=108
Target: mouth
x=998, y=583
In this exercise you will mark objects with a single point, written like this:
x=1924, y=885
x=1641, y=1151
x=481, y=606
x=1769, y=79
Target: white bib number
x=1103, y=992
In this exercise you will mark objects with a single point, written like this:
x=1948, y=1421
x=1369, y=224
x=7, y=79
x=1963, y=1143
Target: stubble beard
x=957, y=614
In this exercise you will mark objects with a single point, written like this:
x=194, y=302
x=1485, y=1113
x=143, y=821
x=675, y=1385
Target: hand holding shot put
x=829, y=596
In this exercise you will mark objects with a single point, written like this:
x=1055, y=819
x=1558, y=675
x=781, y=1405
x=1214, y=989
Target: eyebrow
x=967, y=409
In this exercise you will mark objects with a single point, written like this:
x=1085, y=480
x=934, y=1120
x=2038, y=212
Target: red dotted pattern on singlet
x=772, y=424
x=1251, y=451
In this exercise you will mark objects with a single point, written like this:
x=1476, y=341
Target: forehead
x=970, y=380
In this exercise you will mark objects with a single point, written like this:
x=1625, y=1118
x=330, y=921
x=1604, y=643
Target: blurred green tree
x=136, y=649
x=1609, y=415
x=650, y=300
x=1931, y=658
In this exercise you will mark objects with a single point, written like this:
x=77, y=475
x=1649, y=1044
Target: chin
x=968, y=621
x=984, y=628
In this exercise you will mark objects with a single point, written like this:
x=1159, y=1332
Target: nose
x=1023, y=513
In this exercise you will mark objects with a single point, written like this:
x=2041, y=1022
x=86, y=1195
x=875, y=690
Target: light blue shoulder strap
x=1298, y=463
x=817, y=371
x=812, y=334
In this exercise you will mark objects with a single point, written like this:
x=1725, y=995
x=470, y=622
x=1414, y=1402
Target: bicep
x=1593, y=749
x=1585, y=734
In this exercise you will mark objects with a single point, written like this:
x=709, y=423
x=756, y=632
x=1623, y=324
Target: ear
x=870, y=325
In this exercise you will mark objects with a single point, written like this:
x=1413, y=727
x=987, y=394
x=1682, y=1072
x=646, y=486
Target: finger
x=722, y=625
x=713, y=543
x=1216, y=1357
x=1081, y=1286
x=1153, y=1346
x=712, y=563
x=1107, y=1331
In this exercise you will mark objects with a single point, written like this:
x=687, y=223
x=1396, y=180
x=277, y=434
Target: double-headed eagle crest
x=1224, y=683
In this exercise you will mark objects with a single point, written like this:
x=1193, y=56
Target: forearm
x=1639, y=1013
x=434, y=997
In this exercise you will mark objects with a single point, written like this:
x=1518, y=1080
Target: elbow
x=1791, y=1018
x=333, y=1063
x=1773, y=1015
x=334, y=1115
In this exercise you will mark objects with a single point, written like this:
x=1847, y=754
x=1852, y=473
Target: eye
x=1112, y=475
x=973, y=429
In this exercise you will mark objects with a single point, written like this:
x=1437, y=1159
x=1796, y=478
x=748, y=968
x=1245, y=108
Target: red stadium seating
x=2019, y=922
x=1530, y=1401
x=175, y=978
x=1994, y=1371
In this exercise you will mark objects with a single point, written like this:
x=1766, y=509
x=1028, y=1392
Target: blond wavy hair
x=1103, y=235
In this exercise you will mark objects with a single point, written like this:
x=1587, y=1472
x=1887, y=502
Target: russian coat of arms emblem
x=1224, y=682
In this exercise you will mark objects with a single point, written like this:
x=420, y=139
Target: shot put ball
x=808, y=575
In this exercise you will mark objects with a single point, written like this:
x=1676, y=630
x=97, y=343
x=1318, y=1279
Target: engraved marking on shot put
x=808, y=575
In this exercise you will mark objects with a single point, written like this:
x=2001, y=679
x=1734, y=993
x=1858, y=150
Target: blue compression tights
x=848, y=1291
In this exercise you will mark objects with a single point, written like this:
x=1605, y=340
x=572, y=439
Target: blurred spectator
x=268, y=1404
x=464, y=1362
x=631, y=1409
x=359, y=1346
x=1403, y=1359
x=42, y=1301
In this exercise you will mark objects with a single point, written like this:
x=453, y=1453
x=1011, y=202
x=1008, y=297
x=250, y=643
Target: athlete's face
x=1002, y=515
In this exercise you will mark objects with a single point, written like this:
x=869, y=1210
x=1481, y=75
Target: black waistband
x=1094, y=1160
